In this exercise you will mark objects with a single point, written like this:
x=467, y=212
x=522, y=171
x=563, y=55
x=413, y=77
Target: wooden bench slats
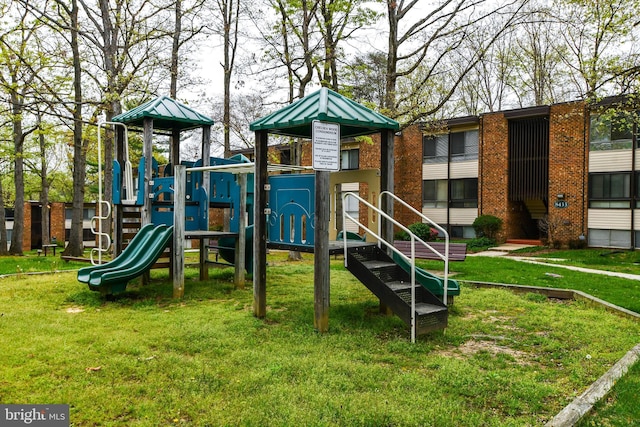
x=457, y=251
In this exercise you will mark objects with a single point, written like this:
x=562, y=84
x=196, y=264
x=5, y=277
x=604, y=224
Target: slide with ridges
x=134, y=257
x=139, y=239
x=142, y=259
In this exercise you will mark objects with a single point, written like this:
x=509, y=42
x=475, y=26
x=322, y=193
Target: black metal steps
x=392, y=285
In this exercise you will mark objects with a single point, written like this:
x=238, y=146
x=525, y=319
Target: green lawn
x=623, y=261
x=146, y=359
x=31, y=262
x=622, y=292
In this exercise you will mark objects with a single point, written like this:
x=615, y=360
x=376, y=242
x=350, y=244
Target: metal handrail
x=380, y=213
x=444, y=257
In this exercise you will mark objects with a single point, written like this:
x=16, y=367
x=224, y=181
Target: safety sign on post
x=325, y=138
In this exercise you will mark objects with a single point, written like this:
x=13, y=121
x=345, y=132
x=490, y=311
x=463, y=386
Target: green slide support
x=143, y=235
x=227, y=249
x=429, y=281
x=141, y=259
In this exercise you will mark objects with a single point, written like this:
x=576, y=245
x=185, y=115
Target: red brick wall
x=57, y=214
x=26, y=233
x=567, y=172
x=370, y=152
x=307, y=154
x=408, y=173
x=493, y=157
x=568, y=169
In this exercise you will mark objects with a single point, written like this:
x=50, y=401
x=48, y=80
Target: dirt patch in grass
x=489, y=345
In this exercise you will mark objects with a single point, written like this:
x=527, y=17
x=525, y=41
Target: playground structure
x=286, y=211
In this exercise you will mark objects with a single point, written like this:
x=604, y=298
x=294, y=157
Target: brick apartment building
x=574, y=168
x=571, y=167
x=59, y=223
x=567, y=173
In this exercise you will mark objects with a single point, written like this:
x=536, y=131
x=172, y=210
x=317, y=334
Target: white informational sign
x=325, y=138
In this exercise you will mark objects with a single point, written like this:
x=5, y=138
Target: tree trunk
x=392, y=60
x=231, y=18
x=44, y=194
x=75, y=246
x=175, y=49
x=18, y=176
x=3, y=224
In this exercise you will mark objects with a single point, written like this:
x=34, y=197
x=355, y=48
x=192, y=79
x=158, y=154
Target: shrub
x=480, y=242
x=487, y=226
x=550, y=226
x=420, y=229
x=401, y=235
x=423, y=231
x=578, y=244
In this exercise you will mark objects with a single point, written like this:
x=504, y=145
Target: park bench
x=45, y=248
x=457, y=251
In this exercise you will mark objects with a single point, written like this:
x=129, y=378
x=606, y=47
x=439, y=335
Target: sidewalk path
x=581, y=269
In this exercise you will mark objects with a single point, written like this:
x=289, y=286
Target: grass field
x=622, y=292
x=146, y=359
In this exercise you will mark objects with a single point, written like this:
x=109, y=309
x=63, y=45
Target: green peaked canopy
x=325, y=105
x=167, y=114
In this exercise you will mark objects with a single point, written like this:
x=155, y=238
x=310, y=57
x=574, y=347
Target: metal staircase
x=396, y=287
x=392, y=285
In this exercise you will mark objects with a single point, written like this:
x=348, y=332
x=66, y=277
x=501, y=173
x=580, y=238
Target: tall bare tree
x=127, y=35
x=420, y=50
x=20, y=64
x=63, y=17
x=338, y=21
x=365, y=80
x=187, y=26
x=230, y=15
x=601, y=42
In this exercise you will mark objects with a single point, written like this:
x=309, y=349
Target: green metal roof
x=167, y=114
x=325, y=105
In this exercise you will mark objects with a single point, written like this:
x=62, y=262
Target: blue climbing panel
x=292, y=204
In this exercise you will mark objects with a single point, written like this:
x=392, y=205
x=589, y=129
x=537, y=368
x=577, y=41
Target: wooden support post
x=241, y=245
x=174, y=149
x=117, y=209
x=260, y=227
x=321, y=253
x=203, y=258
x=206, y=161
x=180, y=187
x=147, y=152
x=386, y=184
x=387, y=169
